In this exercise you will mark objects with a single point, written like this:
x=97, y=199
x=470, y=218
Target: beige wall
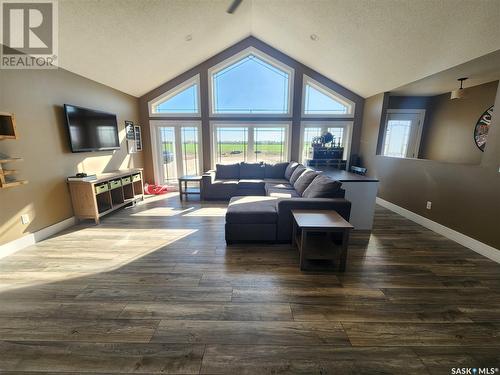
x=36, y=97
x=448, y=133
x=465, y=198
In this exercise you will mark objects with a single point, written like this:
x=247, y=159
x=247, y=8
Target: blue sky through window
x=317, y=102
x=229, y=135
x=251, y=86
x=185, y=101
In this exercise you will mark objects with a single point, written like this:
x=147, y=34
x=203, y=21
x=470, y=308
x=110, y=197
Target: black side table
x=184, y=190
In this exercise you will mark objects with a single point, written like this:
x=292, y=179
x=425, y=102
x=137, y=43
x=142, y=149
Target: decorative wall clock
x=482, y=127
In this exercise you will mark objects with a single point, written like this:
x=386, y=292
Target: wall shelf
x=12, y=184
x=7, y=126
x=6, y=175
x=10, y=160
x=8, y=131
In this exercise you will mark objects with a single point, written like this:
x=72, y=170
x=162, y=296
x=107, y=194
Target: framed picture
x=138, y=138
x=134, y=138
x=129, y=130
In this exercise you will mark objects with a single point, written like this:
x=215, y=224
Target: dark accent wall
x=465, y=198
x=202, y=69
x=409, y=102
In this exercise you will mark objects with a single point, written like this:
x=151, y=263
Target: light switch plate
x=25, y=219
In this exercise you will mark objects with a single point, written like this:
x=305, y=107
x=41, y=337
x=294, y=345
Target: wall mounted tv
x=91, y=130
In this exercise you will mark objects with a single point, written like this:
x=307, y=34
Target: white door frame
x=154, y=127
x=415, y=137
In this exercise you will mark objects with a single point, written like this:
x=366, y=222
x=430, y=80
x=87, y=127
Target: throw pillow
x=304, y=180
x=322, y=187
x=296, y=173
x=227, y=171
x=290, y=168
x=275, y=170
x=252, y=170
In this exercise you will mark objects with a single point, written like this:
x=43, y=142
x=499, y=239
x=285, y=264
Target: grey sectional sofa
x=262, y=196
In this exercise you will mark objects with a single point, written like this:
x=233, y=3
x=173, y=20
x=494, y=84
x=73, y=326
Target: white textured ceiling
x=478, y=71
x=368, y=46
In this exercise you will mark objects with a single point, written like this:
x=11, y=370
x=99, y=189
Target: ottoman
x=251, y=219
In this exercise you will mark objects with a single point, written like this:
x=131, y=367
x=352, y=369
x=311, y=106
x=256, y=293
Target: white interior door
x=403, y=131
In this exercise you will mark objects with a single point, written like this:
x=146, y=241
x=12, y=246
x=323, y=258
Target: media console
x=109, y=192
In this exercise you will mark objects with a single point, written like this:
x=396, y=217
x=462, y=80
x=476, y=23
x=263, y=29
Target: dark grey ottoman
x=251, y=218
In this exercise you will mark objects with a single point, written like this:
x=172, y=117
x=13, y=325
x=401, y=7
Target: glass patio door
x=177, y=147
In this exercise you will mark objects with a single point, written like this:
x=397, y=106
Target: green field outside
x=228, y=147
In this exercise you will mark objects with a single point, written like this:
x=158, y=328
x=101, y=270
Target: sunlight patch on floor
x=208, y=211
x=162, y=211
x=60, y=258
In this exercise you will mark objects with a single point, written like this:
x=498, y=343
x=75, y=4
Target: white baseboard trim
x=473, y=244
x=33, y=238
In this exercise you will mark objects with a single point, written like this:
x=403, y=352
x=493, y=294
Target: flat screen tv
x=91, y=130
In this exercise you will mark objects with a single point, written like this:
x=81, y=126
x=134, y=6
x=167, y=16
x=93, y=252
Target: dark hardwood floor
x=154, y=289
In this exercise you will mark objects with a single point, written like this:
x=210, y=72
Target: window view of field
x=233, y=145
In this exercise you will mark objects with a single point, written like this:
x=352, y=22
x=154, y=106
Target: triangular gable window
x=251, y=83
x=182, y=100
x=320, y=101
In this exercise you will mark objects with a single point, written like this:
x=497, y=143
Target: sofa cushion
x=227, y=171
x=277, y=185
x=296, y=173
x=252, y=170
x=221, y=189
x=275, y=170
x=225, y=182
x=322, y=187
x=251, y=184
x=252, y=192
x=282, y=193
x=252, y=210
x=276, y=181
x=290, y=168
x=304, y=180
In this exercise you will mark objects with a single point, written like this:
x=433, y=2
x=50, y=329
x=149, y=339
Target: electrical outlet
x=25, y=219
x=429, y=205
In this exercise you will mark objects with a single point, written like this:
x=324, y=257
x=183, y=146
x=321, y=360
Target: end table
x=313, y=234
x=184, y=190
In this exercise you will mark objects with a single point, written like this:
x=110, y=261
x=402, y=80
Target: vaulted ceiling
x=367, y=46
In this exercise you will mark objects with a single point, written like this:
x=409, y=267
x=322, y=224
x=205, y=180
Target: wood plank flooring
x=154, y=289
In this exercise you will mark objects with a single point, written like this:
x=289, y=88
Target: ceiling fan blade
x=235, y=4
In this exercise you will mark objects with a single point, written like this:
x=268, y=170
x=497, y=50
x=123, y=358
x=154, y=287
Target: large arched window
x=251, y=84
x=181, y=101
x=247, y=105
x=321, y=101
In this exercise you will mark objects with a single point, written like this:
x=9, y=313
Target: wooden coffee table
x=184, y=190
x=320, y=235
